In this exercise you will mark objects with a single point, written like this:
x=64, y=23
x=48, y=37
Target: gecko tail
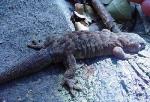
x=28, y=65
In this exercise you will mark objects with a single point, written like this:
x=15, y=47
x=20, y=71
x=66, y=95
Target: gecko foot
x=35, y=45
x=71, y=84
x=128, y=56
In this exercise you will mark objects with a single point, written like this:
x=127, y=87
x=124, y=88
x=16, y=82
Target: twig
x=105, y=16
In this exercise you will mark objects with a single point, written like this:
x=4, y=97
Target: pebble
x=1, y=41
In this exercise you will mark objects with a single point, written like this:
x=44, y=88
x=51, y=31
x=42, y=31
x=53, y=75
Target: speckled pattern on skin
x=66, y=48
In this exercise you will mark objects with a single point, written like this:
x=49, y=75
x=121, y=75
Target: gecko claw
x=71, y=84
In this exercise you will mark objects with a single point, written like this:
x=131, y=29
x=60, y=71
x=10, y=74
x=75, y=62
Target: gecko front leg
x=35, y=45
x=119, y=53
x=70, y=64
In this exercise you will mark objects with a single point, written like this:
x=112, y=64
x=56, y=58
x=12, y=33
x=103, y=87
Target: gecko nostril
x=142, y=45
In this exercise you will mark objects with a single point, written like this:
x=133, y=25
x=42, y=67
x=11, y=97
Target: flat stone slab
x=102, y=79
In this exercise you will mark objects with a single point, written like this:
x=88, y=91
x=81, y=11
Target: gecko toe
x=71, y=84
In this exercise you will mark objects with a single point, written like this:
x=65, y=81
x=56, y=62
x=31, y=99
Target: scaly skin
x=76, y=45
x=28, y=65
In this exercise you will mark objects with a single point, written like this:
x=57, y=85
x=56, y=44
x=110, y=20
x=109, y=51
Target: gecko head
x=132, y=42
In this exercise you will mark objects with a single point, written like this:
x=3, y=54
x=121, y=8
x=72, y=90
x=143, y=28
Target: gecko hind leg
x=69, y=81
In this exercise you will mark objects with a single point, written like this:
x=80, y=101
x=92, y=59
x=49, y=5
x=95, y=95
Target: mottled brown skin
x=76, y=45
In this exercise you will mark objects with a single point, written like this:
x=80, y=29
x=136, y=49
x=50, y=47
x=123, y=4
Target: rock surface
x=102, y=79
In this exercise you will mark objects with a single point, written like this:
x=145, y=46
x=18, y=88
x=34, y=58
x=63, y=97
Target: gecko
x=68, y=47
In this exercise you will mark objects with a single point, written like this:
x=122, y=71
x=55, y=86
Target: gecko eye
x=140, y=45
